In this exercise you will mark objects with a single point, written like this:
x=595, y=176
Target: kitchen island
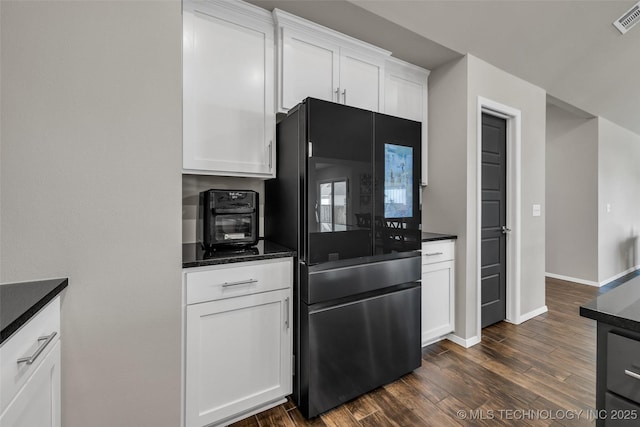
x=618, y=354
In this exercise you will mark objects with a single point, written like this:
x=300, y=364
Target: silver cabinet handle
x=286, y=310
x=632, y=374
x=344, y=96
x=505, y=229
x=337, y=92
x=270, y=154
x=47, y=339
x=434, y=253
x=241, y=282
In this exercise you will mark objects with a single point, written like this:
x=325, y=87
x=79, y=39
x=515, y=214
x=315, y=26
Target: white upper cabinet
x=314, y=61
x=308, y=68
x=405, y=90
x=406, y=96
x=228, y=89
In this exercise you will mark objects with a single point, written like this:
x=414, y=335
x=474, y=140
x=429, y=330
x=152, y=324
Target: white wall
x=450, y=200
x=90, y=190
x=444, y=200
x=618, y=187
x=572, y=196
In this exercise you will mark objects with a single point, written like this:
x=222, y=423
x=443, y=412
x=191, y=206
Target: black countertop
x=432, y=237
x=194, y=256
x=19, y=302
x=618, y=307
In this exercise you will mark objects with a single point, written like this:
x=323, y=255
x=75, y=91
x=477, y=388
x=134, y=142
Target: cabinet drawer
x=620, y=412
x=623, y=366
x=232, y=280
x=437, y=251
x=24, y=343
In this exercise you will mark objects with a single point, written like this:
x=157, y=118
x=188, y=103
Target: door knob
x=505, y=229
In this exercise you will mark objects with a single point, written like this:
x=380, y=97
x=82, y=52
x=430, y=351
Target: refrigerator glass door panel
x=397, y=213
x=398, y=181
x=339, y=182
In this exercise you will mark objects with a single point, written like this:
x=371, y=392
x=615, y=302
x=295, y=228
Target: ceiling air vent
x=629, y=19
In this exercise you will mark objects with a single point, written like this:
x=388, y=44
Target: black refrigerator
x=347, y=199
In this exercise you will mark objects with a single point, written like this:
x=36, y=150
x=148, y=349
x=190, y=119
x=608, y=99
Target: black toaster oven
x=228, y=218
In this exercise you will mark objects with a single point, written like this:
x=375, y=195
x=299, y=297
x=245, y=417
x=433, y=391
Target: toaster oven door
x=235, y=229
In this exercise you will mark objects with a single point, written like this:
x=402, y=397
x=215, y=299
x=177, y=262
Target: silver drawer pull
x=434, y=254
x=632, y=374
x=286, y=311
x=47, y=339
x=242, y=282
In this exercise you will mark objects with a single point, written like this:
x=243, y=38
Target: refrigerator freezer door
x=356, y=347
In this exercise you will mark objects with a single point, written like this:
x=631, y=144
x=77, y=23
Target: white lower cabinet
x=238, y=346
x=38, y=402
x=438, y=267
x=30, y=375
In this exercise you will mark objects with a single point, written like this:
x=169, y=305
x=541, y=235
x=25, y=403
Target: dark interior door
x=339, y=174
x=494, y=216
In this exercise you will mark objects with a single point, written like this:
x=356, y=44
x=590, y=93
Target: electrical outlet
x=537, y=210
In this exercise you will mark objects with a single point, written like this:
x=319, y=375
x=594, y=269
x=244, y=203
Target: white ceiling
x=568, y=47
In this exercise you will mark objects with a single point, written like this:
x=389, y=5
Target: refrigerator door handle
x=316, y=211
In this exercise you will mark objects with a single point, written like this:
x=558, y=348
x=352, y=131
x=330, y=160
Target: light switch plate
x=536, y=210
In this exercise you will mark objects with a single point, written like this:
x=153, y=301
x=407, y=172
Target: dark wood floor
x=538, y=373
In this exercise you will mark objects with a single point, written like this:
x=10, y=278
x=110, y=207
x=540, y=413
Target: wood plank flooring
x=538, y=373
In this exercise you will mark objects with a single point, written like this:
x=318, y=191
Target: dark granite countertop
x=194, y=256
x=19, y=302
x=618, y=307
x=432, y=237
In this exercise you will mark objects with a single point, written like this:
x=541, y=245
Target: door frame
x=513, y=117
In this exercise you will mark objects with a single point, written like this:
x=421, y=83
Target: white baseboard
x=529, y=315
x=466, y=343
x=572, y=279
x=589, y=282
x=617, y=276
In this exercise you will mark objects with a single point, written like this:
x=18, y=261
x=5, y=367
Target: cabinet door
x=238, y=355
x=404, y=97
x=38, y=402
x=361, y=81
x=309, y=68
x=437, y=301
x=228, y=86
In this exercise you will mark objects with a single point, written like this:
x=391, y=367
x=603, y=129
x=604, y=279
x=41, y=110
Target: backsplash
x=192, y=185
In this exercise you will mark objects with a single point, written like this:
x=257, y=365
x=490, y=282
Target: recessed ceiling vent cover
x=629, y=19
